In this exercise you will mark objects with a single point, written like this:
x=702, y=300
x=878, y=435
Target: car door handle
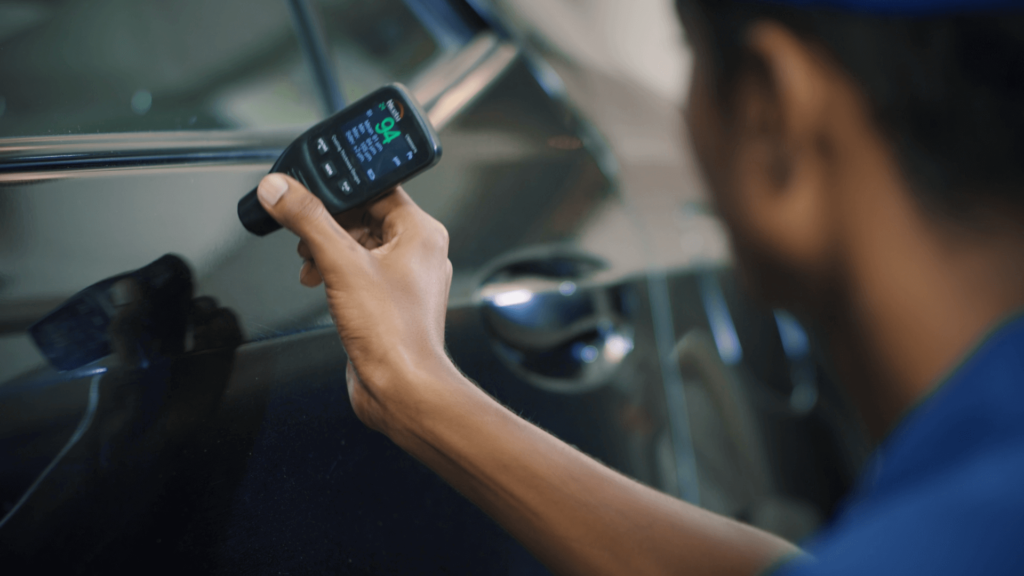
x=553, y=324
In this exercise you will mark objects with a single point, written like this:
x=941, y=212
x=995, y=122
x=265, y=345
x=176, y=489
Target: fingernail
x=271, y=188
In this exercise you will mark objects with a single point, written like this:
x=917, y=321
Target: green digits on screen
x=385, y=130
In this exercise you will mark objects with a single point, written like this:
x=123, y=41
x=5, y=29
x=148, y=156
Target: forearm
x=575, y=514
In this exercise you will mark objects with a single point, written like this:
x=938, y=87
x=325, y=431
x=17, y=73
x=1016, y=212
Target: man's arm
x=387, y=281
x=575, y=514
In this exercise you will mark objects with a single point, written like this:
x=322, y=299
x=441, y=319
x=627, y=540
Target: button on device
x=321, y=146
x=345, y=187
x=329, y=169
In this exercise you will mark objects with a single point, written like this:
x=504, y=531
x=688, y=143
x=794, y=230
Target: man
x=868, y=158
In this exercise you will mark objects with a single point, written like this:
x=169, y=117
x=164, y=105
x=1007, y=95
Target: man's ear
x=780, y=131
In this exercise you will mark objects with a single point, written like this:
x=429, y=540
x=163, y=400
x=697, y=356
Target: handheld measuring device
x=355, y=155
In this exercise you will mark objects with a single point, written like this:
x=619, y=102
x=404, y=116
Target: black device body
x=355, y=155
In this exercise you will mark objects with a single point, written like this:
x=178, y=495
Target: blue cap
x=910, y=7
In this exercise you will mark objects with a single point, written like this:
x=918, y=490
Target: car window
x=374, y=43
x=76, y=66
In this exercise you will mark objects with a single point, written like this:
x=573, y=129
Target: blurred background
x=592, y=292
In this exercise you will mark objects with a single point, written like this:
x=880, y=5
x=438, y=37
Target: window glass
x=78, y=66
x=374, y=43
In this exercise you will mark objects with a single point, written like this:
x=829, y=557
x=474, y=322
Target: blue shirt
x=944, y=493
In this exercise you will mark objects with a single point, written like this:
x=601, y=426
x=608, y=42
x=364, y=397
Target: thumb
x=297, y=209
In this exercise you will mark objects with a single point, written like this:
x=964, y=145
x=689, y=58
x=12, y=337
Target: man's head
x=794, y=106
x=870, y=169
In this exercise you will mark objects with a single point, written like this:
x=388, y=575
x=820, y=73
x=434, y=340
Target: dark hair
x=948, y=92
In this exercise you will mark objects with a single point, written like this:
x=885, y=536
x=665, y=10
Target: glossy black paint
x=277, y=474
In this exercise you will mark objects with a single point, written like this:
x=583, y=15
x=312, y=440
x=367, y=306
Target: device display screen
x=378, y=140
x=375, y=144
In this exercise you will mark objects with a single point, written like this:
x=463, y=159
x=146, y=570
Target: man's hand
x=387, y=274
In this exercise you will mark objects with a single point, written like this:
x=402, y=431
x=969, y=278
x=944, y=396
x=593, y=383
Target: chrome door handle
x=552, y=324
